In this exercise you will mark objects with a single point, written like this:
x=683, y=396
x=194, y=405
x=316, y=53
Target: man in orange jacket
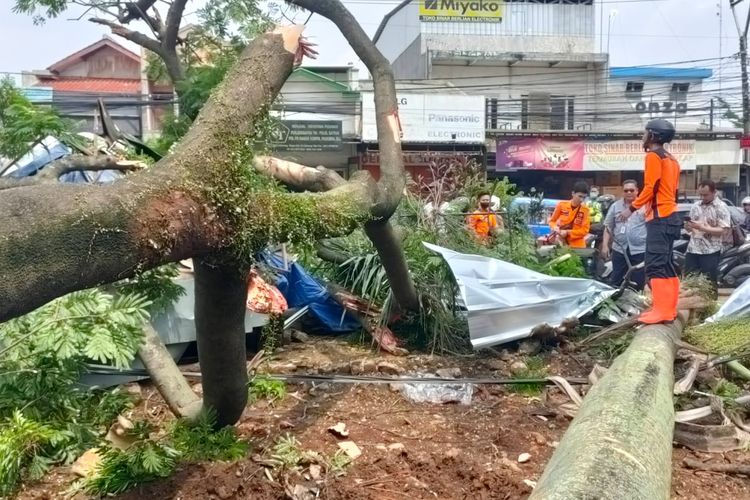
x=571, y=220
x=663, y=224
x=483, y=221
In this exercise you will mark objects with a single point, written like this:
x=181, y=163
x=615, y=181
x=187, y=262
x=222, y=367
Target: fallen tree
x=620, y=443
x=205, y=201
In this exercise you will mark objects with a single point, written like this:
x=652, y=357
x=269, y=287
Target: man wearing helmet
x=663, y=225
x=746, y=207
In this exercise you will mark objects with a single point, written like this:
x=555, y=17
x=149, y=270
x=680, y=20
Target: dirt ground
x=408, y=450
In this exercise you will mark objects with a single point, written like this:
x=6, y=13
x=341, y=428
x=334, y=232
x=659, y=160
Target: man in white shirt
x=709, y=222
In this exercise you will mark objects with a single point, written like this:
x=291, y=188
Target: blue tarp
x=301, y=289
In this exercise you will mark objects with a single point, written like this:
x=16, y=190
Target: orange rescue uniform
x=577, y=220
x=661, y=180
x=482, y=223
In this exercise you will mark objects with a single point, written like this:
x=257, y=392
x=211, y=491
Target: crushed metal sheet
x=505, y=301
x=737, y=305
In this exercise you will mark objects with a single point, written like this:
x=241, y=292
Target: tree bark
x=620, y=443
x=220, y=294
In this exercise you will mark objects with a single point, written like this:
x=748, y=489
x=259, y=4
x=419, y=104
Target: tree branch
x=296, y=176
x=172, y=28
x=74, y=163
x=392, y=179
x=133, y=36
x=78, y=163
x=135, y=10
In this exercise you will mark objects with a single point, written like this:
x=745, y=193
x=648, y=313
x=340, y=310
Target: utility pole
x=745, y=85
x=742, y=33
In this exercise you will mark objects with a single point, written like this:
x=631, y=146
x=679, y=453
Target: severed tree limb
x=620, y=443
x=721, y=468
x=75, y=163
x=739, y=369
x=99, y=234
x=296, y=176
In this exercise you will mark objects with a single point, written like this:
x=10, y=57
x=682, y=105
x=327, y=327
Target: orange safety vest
x=577, y=220
x=661, y=180
x=482, y=223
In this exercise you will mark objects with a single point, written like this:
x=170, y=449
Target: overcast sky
x=643, y=32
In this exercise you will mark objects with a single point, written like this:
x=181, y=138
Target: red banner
x=539, y=154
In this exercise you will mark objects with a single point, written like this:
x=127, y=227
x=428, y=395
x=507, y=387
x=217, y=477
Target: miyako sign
x=478, y=11
x=427, y=118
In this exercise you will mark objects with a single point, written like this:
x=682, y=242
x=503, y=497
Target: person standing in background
x=627, y=239
x=709, y=222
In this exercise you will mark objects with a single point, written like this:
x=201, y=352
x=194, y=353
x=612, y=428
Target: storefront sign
x=665, y=107
x=629, y=155
x=572, y=155
x=431, y=118
x=482, y=11
x=307, y=136
x=539, y=154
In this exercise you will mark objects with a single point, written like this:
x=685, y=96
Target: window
x=634, y=89
x=679, y=91
x=545, y=112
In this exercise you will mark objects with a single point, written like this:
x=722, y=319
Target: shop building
x=554, y=111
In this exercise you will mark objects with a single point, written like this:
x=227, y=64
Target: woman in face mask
x=483, y=222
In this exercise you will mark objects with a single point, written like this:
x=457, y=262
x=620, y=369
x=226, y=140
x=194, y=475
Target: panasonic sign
x=431, y=118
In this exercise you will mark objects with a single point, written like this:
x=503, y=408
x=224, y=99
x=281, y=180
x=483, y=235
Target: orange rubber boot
x=662, y=292
x=675, y=295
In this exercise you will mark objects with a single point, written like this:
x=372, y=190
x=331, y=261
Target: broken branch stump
x=620, y=443
x=722, y=468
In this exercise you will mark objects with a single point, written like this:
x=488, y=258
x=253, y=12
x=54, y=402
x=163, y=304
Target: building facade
x=103, y=70
x=555, y=112
x=319, y=112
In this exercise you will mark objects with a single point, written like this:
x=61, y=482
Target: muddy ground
x=408, y=450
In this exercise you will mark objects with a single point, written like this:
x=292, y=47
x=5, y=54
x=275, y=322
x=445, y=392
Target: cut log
x=167, y=377
x=620, y=443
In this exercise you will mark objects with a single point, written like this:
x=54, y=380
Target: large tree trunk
x=620, y=443
x=220, y=293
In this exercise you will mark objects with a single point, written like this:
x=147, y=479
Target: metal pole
x=743, y=62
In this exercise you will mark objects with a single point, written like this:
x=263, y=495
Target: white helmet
x=746, y=200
